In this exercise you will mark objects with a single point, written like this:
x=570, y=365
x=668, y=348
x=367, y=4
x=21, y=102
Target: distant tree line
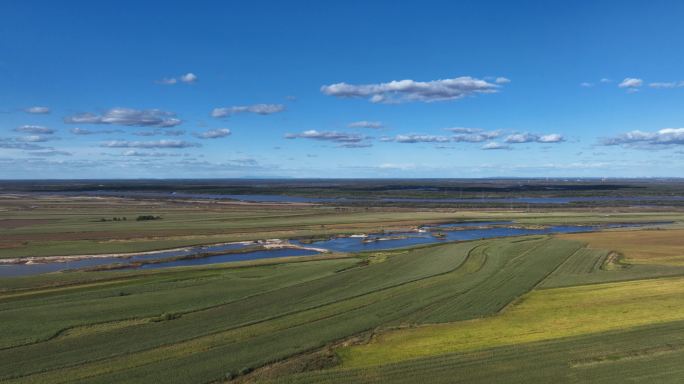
x=147, y=217
x=113, y=219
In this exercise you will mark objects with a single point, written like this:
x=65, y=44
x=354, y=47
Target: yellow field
x=639, y=247
x=542, y=315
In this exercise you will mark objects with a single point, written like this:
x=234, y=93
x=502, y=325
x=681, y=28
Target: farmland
x=512, y=309
x=342, y=192
x=55, y=226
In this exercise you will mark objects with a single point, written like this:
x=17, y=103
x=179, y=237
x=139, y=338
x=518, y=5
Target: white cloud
x=128, y=117
x=586, y=84
x=366, y=124
x=149, y=144
x=519, y=138
x=345, y=140
x=213, y=133
x=259, y=109
x=502, y=80
x=410, y=90
x=472, y=135
x=666, y=137
x=338, y=137
x=463, y=135
x=33, y=139
x=463, y=130
x=550, y=138
x=410, y=139
x=189, y=78
x=37, y=110
x=135, y=153
x=35, y=129
x=631, y=82
x=494, y=145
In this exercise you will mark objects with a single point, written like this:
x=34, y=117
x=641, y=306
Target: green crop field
x=199, y=324
x=519, y=309
x=648, y=354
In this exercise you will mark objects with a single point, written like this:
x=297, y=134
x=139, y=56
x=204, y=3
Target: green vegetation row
x=204, y=324
x=227, y=320
x=647, y=354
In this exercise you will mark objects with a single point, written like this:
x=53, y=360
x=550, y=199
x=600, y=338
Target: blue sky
x=131, y=89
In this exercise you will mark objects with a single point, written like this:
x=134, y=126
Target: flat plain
x=602, y=306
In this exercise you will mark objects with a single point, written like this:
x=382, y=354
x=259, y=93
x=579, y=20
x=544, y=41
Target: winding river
x=459, y=231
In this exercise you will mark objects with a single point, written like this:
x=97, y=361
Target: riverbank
x=265, y=244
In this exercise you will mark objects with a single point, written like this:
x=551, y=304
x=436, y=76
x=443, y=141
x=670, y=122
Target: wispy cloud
x=410, y=90
x=158, y=132
x=188, y=78
x=397, y=166
x=591, y=84
x=667, y=85
x=463, y=130
x=356, y=145
x=333, y=136
x=551, y=138
x=663, y=138
x=413, y=138
x=259, y=109
x=128, y=117
x=12, y=143
x=494, y=145
x=366, y=124
x=35, y=129
x=519, y=138
x=149, y=144
x=173, y=132
x=84, y=131
x=213, y=133
x=50, y=153
x=168, y=81
x=135, y=153
x=472, y=135
x=462, y=135
x=35, y=138
x=37, y=110
x=631, y=83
